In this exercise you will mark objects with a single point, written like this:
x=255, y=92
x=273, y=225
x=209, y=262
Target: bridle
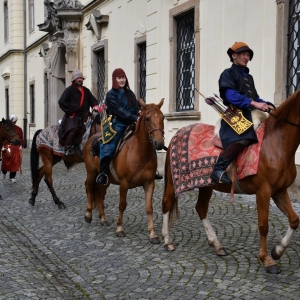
x=151, y=130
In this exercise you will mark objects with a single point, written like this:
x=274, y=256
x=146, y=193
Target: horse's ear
x=142, y=103
x=161, y=102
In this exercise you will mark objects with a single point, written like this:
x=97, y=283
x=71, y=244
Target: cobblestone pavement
x=47, y=253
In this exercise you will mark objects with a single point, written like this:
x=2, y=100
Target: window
x=185, y=62
x=6, y=23
x=7, y=102
x=142, y=70
x=184, y=23
x=31, y=15
x=100, y=74
x=32, y=103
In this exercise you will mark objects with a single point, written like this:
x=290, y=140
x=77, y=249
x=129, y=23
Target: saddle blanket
x=193, y=156
x=48, y=138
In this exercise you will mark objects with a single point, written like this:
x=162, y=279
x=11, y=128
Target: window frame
x=32, y=101
x=7, y=101
x=137, y=48
x=30, y=16
x=173, y=14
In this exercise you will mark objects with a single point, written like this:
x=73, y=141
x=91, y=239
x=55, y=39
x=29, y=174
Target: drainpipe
x=25, y=76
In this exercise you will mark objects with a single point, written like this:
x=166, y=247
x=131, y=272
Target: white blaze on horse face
x=211, y=235
x=284, y=242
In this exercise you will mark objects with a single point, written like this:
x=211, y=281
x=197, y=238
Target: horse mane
x=279, y=115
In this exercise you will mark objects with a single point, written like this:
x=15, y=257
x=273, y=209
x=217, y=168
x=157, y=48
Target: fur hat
x=238, y=47
x=118, y=73
x=77, y=74
x=13, y=118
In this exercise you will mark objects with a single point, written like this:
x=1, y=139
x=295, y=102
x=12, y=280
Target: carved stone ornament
x=96, y=21
x=6, y=73
x=53, y=20
x=44, y=49
x=279, y=2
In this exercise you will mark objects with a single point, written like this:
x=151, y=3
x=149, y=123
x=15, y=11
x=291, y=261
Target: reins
x=284, y=120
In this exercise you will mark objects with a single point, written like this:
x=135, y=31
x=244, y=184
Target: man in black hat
x=237, y=88
x=75, y=101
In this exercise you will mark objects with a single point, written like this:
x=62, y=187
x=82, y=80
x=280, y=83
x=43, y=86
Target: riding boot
x=69, y=150
x=226, y=157
x=102, y=178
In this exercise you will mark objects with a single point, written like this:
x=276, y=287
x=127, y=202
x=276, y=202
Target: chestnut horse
x=8, y=133
x=276, y=172
x=134, y=165
x=50, y=159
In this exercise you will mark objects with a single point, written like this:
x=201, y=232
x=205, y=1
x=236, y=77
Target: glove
x=95, y=110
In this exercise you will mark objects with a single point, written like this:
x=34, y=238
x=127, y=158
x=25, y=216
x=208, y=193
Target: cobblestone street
x=47, y=253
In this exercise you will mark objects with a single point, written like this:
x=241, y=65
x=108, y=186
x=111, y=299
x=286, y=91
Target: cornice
x=10, y=52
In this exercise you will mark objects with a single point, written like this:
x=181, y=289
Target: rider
x=237, y=87
x=75, y=101
x=123, y=106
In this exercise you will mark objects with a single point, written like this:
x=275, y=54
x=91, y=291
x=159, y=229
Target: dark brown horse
x=135, y=165
x=50, y=159
x=8, y=133
x=276, y=172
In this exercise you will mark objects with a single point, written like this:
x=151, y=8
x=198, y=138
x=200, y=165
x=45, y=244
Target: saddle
x=95, y=148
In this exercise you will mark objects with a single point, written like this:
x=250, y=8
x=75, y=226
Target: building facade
x=167, y=48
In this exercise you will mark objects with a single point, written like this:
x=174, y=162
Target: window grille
x=6, y=24
x=101, y=75
x=31, y=15
x=185, y=63
x=142, y=70
x=32, y=104
x=293, y=63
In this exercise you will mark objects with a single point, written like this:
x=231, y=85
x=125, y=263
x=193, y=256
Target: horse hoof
x=105, y=223
x=272, y=269
x=274, y=254
x=221, y=252
x=61, y=206
x=87, y=219
x=155, y=240
x=120, y=234
x=169, y=247
x=31, y=202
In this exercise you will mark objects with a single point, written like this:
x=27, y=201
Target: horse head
x=7, y=132
x=153, y=120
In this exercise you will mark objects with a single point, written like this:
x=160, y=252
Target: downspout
x=25, y=76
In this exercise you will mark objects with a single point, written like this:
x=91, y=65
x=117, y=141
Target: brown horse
x=135, y=165
x=50, y=159
x=276, y=172
x=8, y=133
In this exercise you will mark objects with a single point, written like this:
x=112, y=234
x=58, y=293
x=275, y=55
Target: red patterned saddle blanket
x=193, y=156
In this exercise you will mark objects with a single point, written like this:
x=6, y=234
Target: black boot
x=102, y=178
x=69, y=150
x=219, y=175
x=226, y=157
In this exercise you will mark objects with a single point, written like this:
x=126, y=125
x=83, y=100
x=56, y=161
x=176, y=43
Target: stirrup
x=102, y=179
x=222, y=178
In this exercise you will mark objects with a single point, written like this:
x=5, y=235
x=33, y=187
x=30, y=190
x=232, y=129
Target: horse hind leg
x=35, y=185
x=282, y=200
x=169, y=208
x=202, y=209
x=98, y=197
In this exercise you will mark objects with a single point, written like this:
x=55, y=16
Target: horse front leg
x=263, y=204
x=202, y=209
x=283, y=202
x=99, y=196
x=122, y=206
x=149, y=188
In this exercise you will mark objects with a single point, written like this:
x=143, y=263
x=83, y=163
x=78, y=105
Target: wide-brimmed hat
x=238, y=47
x=13, y=118
x=77, y=74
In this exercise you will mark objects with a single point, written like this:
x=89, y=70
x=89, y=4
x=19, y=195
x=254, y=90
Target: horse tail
x=173, y=212
x=34, y=158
